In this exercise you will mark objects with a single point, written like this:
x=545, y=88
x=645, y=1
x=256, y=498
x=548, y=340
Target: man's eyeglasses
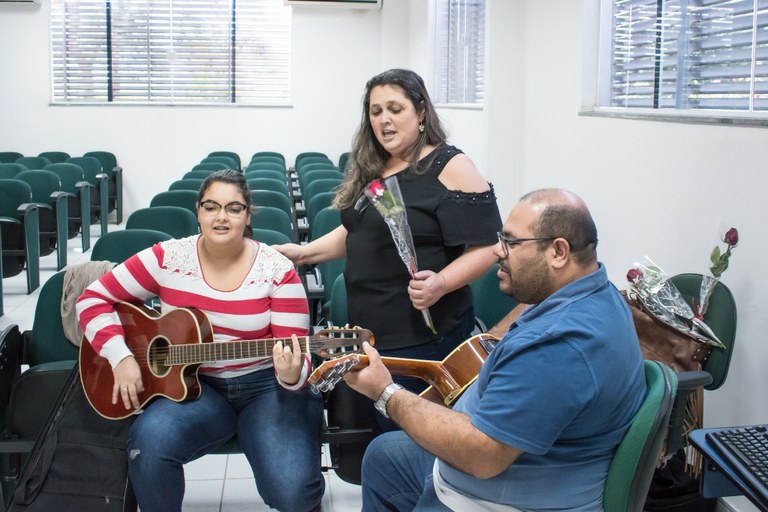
x=507, y=242
x=233, y=209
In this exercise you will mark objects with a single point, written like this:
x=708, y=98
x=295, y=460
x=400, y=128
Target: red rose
x=731, y=237
x=634, y=274
x=376, y=188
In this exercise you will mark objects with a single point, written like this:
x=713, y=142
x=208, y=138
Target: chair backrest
x=329, y=271
x=231, y=154
x=10, y=170
x=269, y=217
x=47, y=342
x=268, y=184
x=33, y=162
x=186, y=184
x=118, y=246
x=91, y=167
x=8, y=157
x=337, y=310
x=174, y=220
x=317, y=203
x=272, y=198
x=69, y=175
x=107, y=158
x=43, y=184
x=266, y=163
x=343, y=159
x=184, y=198
x=326, y=221
x=269, y=154
x=199, y=174
x=210, y=166
x=270, y=236
x=13, y=193
x=231, y=163
x=56, y=157
x=720, y=316
x=319, y=186
x=260, y=172
x=489, y=303
x=631, y=470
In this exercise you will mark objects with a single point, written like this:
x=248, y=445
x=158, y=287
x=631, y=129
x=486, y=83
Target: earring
x=421, y=128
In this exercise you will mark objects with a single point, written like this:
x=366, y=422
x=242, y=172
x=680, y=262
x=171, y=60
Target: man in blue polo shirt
x=539, y=427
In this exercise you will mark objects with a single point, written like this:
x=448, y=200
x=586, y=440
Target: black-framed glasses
x=233, y=209
x=507, y=242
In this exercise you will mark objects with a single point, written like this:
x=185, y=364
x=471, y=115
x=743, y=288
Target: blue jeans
x=397, y=475
x=277, y=429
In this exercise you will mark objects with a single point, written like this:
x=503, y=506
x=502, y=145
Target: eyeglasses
x=233, y=209
x=507, y=242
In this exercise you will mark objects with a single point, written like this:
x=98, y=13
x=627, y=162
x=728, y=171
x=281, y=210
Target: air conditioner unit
x=343, y=4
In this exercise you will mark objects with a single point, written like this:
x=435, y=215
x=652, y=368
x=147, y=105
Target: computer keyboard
x=745, y=450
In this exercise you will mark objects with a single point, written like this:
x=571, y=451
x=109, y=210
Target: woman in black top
x=451, y=210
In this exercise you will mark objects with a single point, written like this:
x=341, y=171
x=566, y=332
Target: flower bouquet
x=386, y=197
x=650, y=285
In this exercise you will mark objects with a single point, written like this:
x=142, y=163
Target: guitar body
x=147, y=335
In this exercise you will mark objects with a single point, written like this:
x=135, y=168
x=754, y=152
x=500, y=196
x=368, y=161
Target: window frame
x=204, y=85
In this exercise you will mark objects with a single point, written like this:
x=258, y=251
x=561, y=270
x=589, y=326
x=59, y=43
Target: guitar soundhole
x=157, y=357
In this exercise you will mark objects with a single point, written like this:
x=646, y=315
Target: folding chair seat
x=176, y=221
x=19, y=221
x=72, y=180
x=183, y=198
x=56, y=157
x=115, y=174
x=99, y=190
x=53, y=217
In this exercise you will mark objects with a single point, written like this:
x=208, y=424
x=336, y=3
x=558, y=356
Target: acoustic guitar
x=447, y=379
x=170, y=348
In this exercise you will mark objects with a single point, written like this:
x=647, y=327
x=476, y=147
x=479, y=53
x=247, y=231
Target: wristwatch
x=381, y=403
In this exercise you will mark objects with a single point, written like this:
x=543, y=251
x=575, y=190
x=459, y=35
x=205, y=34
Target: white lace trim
x=181, y=256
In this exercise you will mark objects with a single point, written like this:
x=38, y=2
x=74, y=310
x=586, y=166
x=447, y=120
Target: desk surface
x=713, y=485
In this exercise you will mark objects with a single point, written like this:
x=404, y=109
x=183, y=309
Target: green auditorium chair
x=52, y=205
x=19, y=220
x=176, y=221
x=114, y=172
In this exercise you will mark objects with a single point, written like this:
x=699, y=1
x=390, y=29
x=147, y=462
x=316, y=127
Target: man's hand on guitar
x=371, y=380
x=128, y=383
x=288, y=361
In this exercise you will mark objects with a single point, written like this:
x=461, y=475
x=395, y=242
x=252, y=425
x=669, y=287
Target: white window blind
x=171, y=51
x=460, y=51
x=689, y=54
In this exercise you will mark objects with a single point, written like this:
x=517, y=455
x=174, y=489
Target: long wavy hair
x=367, y=157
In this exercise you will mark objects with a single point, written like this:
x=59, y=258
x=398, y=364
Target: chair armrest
x=25, y=208
x=82, y=184
x=687, y=382
x=10, y=365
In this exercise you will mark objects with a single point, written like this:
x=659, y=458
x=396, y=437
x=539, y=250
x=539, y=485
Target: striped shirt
x=269, y=303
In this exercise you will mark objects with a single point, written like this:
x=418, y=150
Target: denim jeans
x=397, y=475
x=277, y=429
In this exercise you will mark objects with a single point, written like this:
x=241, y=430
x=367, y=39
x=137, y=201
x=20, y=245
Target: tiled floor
x=221, y=483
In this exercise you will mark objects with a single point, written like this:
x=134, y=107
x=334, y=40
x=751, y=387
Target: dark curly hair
x=230, y=177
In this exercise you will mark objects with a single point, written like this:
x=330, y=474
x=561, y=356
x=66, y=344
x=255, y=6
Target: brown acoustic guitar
x=447, y=379
x=170, y=348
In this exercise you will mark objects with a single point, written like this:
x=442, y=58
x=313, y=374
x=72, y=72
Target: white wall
x=657, y=189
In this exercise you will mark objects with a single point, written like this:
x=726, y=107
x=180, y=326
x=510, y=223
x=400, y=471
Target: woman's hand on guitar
x=288, y=361
x=371, y=380
x=425, y=289
x=128, y=383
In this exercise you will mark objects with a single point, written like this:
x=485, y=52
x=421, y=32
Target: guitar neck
x=198, y=353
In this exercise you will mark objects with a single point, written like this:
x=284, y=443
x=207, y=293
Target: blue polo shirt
x=563, y=385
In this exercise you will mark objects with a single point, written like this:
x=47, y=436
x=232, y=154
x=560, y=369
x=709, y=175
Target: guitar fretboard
x=223, y=351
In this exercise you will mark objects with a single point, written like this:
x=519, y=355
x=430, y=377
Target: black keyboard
x=745, y=450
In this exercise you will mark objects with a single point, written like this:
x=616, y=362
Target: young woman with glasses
x=248, y=291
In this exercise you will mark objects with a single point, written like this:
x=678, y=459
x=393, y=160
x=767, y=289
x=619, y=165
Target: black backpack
x=673, y=489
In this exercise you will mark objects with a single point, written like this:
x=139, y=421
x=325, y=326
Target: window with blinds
x=171, y=51
x=460, y=51
x=689, y=54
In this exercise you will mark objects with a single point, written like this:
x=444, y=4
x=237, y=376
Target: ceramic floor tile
x=238, y=466
x=240, y=495
x=208, y=467
x=203, y=496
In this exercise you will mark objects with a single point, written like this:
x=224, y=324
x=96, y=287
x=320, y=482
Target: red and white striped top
x=269, y=303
